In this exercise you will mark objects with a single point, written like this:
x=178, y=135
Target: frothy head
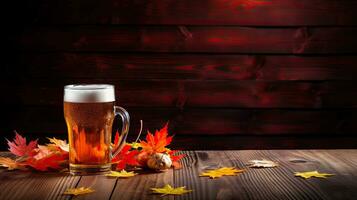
x=89, y=93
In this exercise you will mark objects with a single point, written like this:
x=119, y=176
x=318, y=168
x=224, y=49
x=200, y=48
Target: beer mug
x=89, y=111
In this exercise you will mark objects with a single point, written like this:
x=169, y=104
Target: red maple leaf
x=19, y=147
x=126, y=157
x=156, y=143
x=52, y=161
x=175, y=158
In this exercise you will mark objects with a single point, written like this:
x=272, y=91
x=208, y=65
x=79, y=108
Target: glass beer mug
x=89, y=111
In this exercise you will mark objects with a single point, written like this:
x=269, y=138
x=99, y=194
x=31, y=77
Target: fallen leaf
x=53, y=161
x=224, y=171
x=168, y=189
x=310, y=174
x=10, y=163
x=262, y=163
x=78, y=191
x=121, y=174
x=62, y=144
x=134, y=145
x=19, y=147
x=126, y=157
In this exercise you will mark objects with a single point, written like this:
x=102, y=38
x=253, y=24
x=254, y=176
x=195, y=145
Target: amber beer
x=89, y=111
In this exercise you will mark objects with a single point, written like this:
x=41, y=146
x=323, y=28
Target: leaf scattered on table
x=134, y=145
x=10, y=164
x=78, y=191
x=224, y=171
x=310, y=174
x=121, y=174
x=168, y=189
x=19, y=146
x=262, y=163
x=62, y=144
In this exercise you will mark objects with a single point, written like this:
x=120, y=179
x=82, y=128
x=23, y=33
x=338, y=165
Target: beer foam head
x=89, y=93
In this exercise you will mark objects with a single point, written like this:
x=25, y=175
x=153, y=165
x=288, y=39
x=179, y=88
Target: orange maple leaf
x=156, y=143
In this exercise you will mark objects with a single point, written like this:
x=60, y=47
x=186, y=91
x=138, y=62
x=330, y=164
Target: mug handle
x=125, y=129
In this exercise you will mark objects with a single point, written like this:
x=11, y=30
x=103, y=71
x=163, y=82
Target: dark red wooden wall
x=225, y=73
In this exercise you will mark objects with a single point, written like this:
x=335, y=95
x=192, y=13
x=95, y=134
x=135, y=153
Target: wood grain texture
x=199, y=39
x=202, y=121
x=139, y=186
x=187, y=94
x=182, y=67
x=198, y=12
x=271, y=183
x=268, y=183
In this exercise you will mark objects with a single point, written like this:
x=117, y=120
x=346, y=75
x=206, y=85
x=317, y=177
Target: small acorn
x=159, y=161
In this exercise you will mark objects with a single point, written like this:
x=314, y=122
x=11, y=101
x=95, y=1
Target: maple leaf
x=121, y=174
x=168, y=189
x=175, y=158
x=10, y=163
x=43, y=163
x=224, y=171
x=78, y=191
x=134, y=145
x=310, y=174
x=126, y=157
x=62, y=144
x=156, y=143
x=262, y=163
x=19, y=146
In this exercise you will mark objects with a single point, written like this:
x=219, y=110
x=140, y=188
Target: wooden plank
x=204, y=188
x=203, y=39
x=102, y=186
x=219, y=142
x=270, y=183
x=25, y=184
x=178, y=66
x=49, y=120
x=186, y=93
x=198, y=12
x=339, y=162
x=138, y=187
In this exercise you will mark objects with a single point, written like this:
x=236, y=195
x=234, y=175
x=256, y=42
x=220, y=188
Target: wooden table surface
x=268, y=183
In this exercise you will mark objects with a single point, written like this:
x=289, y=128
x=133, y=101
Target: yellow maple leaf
x=78, y=191
x=262, y=163
x=121, y=174
x=310, y=174
x=59, y=143
x=135, y=145
x=168, y=189
x=10, y=163
x=223, y=171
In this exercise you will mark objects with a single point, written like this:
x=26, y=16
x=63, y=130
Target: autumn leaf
x=50, y=161
x=310, y=174
x=78, y=191
x=168, y=189
x=10, y=164
x=175, y=158
x=126, y=157
x=156, y=143
x=121, y=174
x=224, y=171
x=262, y=163
x=134, y=145
x=62, y=144
x=19, y=146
